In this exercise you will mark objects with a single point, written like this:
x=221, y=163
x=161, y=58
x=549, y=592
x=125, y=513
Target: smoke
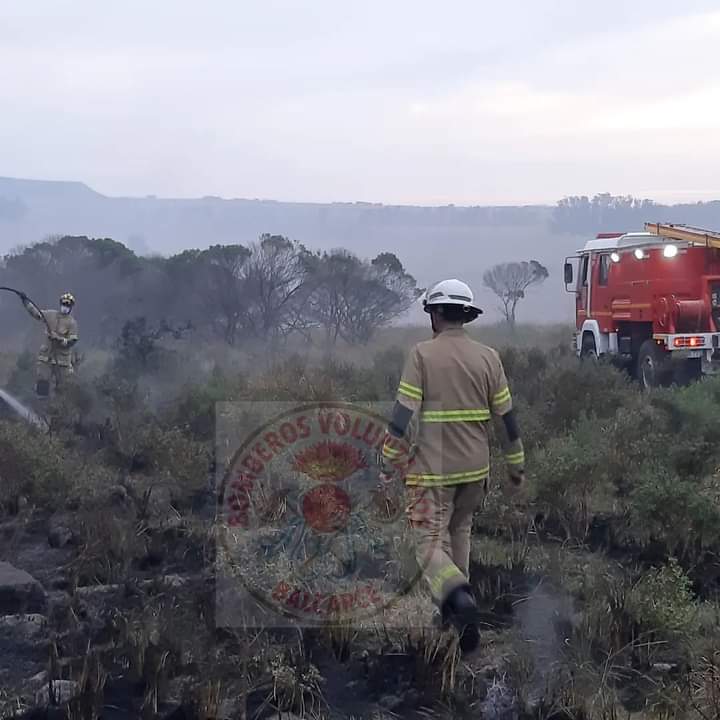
x=538, y=619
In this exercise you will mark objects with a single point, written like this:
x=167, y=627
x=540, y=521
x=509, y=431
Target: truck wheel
x=652, y=366
x=588, y=351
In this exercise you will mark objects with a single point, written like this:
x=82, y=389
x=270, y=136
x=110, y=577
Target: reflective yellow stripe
x=480, y=414
x=450, y=476
x=391, y=452
x=408, y=395
x=448, y=479
x=447, y=573
x=515, y=458
x=411, y=391
x=501, y=397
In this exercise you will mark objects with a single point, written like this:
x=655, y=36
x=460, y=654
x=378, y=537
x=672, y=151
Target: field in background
x=201, y=357
x=497, y=335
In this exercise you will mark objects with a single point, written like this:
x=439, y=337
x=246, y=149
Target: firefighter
x=55, y=359
x=450, y=389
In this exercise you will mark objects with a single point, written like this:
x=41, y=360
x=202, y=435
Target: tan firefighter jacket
x=453, y=386
x=53, y=351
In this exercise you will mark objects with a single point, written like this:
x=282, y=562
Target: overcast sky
x=394, y=101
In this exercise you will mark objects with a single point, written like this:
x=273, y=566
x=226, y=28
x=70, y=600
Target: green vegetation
x=621, y=534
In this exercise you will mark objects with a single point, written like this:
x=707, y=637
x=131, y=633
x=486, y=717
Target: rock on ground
x=63, y=690
x=26, y=625
x=59, y=535
x=20, y=592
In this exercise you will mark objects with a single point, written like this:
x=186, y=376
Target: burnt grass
x=153, y=644
x=598, y=594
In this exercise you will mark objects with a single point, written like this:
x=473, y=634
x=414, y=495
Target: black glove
x=59, y=339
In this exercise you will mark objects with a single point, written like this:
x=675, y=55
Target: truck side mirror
x=568, y=273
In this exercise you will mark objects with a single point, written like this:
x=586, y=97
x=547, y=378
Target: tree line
x=265, y=291
x=624, y=213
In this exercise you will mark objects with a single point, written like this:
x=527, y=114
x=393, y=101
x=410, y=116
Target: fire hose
x=24, y=297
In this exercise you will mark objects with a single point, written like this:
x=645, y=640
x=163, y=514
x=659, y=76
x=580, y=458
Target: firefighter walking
x=55, y=359
x=451, y=387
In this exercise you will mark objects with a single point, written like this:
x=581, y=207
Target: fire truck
x=649, y=301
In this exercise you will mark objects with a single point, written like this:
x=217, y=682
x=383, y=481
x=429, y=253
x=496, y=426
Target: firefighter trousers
x=441, y=522
x=49, y=374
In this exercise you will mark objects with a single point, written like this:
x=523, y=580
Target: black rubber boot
x=460, y=609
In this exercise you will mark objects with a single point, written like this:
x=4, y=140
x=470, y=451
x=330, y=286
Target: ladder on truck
x=685, y=233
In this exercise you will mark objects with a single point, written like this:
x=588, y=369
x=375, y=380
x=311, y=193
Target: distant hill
x=432, y=242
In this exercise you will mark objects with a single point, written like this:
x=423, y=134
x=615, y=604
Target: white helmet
x=450, y=292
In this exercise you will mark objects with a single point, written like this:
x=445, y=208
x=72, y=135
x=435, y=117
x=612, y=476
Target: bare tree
x=267, y=291
x=390, y=291
x=257, y=290
x=333, y=276
x=509, y=281
x=213, y=285
x=226, y=265
x=275, y=276
x=352, y=298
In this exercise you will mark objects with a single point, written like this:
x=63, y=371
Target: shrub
x=531, y=423
x=649, y=462
x=297, y=684
x=693, y=426
x=295, y=379
x=605, y=622
x=682, y=514
x=557, y=391
x=636, y=439
x=110, y=543
x=194, y=411
x=32, y=465
x=180, y=461
x=567, y=393
x=523, y=366
x=662, y=602
x=126, y=423
x=388, y=366
x=571, y=476
x=23, y=376
x=139, y=350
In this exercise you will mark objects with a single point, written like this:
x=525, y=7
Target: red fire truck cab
x=649, y=300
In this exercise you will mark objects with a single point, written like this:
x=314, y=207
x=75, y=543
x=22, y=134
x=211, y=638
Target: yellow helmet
x=67, y=299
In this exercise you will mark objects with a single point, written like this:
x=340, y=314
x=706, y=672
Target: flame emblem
x=329, y=461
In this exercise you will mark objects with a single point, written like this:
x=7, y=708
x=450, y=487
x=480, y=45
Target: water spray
x=24, y=412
